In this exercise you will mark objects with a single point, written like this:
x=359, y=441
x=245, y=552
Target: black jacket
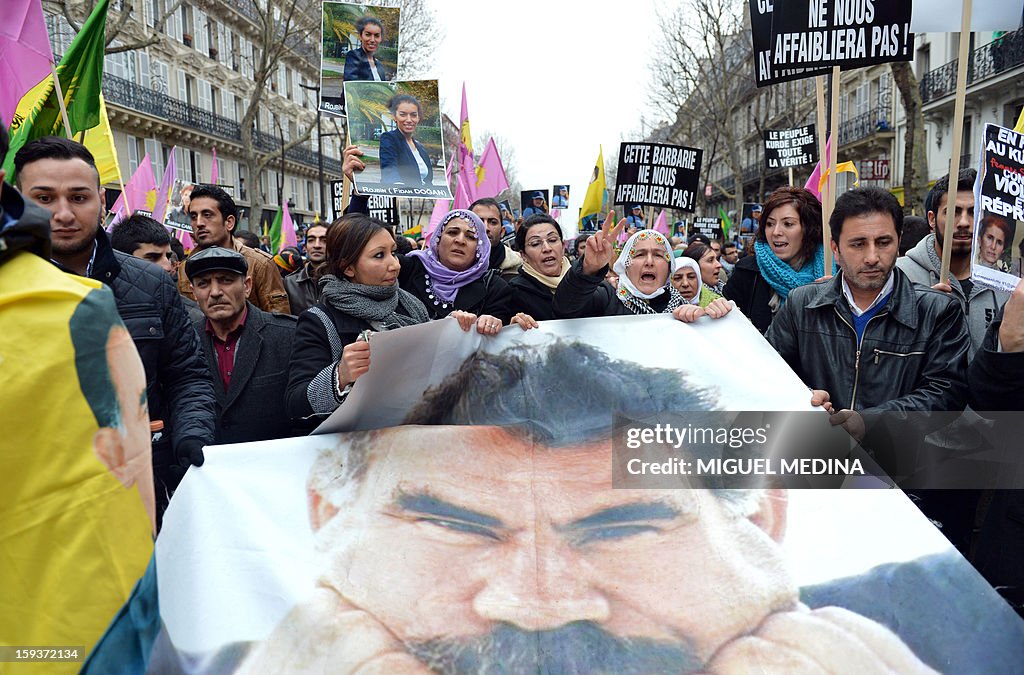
x=357, y=66
x=251, y=407
x=28, y=228
x=178, y=383
x=583, y=295
x=751, y=293
x=489, y=294
x=996, y=382
x=302, y=291
x=532, y=297
x=312, y=362
x=912, y=357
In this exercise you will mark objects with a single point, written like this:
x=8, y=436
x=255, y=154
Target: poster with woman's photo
x=534, y=202
x=508, y=217
x=359, y=42
x=560, y=197
x=999, y=210
x=397, y=125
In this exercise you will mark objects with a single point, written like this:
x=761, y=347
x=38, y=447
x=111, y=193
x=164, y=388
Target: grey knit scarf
x=389, y=305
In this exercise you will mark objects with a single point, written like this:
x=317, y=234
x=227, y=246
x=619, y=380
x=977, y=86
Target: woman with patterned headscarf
x=644, y=268
x=451, y=274
x=686, y=278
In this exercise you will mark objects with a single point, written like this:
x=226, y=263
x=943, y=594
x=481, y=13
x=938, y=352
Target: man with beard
x=923, y=262
x=883, y=348
x=60, y=175
x=513, y=554
x=503, y=258
x=303, y=291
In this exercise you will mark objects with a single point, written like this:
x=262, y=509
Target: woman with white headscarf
x=699, y=299
x=644, y=287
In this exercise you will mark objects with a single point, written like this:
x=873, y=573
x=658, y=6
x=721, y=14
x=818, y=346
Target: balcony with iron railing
x=987, y=61
x=122, y=92
x=865, y=125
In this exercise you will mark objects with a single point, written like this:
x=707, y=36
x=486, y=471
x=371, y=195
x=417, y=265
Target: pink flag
x=136, y=191
x=815, y=179
x=441, y=207
x=462, y=199
x=661, y=224
x=623, y=237
x=467, y=139
x=163, y=194
x=555, y=213
x=288, y=229
x=186, y=240
x=213, y=169
x=467, y=176
x=490, y=175
x=25, y=55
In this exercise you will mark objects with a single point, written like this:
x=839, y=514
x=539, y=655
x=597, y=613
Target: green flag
x=275, y=232
x=81, y=79
x=726, y=223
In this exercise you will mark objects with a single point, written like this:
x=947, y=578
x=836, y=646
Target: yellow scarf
x=550, y=282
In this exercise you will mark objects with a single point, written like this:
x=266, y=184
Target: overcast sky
x=555, y=79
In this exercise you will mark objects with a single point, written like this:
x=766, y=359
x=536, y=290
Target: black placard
x=654, y=174
x=384, y=209
x=765, y=70
x=848, y=33
x=709, y=227
x=784, y=148
x=337, y=198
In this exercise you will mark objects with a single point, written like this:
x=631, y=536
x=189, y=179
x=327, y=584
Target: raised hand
x=600, y=247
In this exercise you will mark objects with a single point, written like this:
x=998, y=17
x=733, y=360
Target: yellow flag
x=1019, y=128
x=593, y=202
x=100, y=141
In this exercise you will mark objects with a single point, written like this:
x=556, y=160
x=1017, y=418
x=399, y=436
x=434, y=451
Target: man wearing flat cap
x=246, y=348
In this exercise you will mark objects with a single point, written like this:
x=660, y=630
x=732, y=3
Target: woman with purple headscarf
x=451, y=274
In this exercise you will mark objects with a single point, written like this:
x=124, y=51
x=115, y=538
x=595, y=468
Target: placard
x=785, y=148
x=998, y=260
x=385, y=209
x=708, y=226
x=387, y=120
x=654, y=174
x=346, y=50
x=848, y=33
x=765, y=70
x=337, y=198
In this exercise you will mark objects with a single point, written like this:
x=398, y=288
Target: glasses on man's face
x=538, y=242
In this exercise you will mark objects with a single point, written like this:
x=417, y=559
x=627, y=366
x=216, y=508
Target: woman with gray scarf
x=359, y=293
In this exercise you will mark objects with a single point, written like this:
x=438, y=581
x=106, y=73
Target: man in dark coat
x=60, y=175
x=246, y=348
x=303, y=291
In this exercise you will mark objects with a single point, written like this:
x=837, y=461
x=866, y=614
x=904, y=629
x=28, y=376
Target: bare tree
x=701, y=77
x=915, y=156
x=124, y=22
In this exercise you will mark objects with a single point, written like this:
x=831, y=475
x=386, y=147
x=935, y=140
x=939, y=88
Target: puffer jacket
x=922, y=265
x=912, y=357
x=178, y=384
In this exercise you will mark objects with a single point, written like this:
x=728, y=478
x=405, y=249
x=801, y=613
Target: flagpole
x=60, y=100
x=819, y=90
x=832, y=185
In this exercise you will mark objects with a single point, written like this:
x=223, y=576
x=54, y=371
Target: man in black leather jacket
x=893, y=352
x=60, y=175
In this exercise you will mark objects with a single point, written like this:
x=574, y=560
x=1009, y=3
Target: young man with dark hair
x=924, y=261
x=60, y=175
x=144, y=238
x=214, y=217
x=303, y=290
x=870, y=339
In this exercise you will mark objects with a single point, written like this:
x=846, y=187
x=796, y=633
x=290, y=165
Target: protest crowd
x=241, y=339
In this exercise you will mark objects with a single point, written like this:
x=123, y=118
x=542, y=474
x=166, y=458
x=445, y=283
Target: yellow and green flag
x=593, y=202
x=81, y=79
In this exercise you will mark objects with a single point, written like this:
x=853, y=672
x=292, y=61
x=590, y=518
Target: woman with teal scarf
x=788, y=253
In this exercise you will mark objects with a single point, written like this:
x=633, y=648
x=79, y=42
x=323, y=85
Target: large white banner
x=457, y=546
